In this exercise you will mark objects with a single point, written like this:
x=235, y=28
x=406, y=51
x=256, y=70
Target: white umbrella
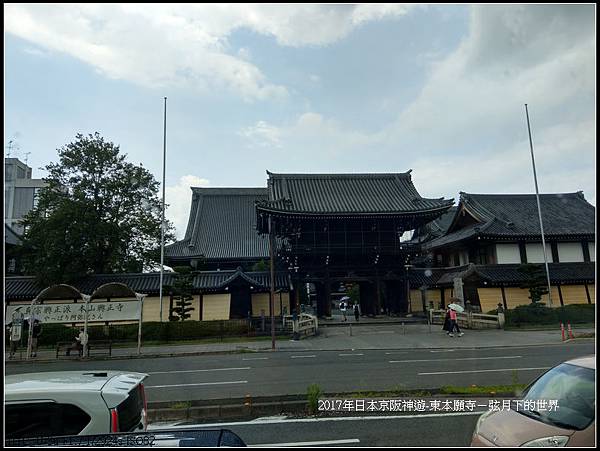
x=456, y=308
x=345, y=298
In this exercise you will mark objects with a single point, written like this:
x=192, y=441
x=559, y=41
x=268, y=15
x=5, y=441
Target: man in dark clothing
x=447, y=323
x=35, y=334
x=356, y=311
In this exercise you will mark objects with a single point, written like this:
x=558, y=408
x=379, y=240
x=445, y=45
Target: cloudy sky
x=311, y=88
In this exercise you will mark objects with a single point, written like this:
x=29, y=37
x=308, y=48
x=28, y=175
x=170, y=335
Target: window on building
x=508, y=253
x=570, y=252
x=535, y=253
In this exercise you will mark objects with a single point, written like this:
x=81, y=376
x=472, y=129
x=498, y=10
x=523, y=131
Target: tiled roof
x=222, y=225
x=516, y=215
x=564, y=273
x=25, y=287
x=347, y=194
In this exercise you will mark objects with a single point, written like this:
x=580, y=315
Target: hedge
x=151, y=331
x=539, y=314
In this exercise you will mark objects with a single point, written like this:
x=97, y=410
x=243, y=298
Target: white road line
x=486, y=371
x=302, y=356
x=344, y=355
x=194, y=385
x=453, y=360
x=320, y=420
x=445, y=350
x=401, y=352
x=326, y=442
x=258, y=358
x=199, y=371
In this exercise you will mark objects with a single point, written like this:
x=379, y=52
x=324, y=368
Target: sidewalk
x=342, y=338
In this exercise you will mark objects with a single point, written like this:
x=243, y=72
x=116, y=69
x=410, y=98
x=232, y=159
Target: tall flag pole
x=162, y=224
x=537, y=196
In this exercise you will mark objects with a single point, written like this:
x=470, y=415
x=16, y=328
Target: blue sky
x=311, y=88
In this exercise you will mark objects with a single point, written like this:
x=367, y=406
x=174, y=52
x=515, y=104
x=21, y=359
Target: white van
x=74, y=403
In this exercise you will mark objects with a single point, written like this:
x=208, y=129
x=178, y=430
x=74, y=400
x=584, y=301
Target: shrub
x=539, y=314
x=313, y=394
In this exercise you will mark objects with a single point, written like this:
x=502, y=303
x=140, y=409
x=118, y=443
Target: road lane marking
x=453, y=360
x=194, y=385
x=258, y=358
x=303, y=356
x=344, y=355
x=198, y=371
x=325, y=442
x=320, y=420
x=486, y=371
x=445, y=350
x=401, y=352
x=380, y=332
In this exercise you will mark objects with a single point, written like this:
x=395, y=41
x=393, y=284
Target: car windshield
x=573, y=387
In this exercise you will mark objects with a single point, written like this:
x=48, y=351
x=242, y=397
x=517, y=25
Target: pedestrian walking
x=356, y=311
x=343, y=310
x=15, y=337
x=35, y=334
x=454, y=325
x=447, y=322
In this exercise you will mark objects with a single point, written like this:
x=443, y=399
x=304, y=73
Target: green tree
x=261, y=265
x=182, y=291
x=535, y=281
x=98, y=214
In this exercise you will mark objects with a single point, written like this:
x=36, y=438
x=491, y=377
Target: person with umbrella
x=344, y=307
x=454, y=319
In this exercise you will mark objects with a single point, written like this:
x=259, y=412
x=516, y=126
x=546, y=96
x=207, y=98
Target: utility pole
x=537, y=196
x=162, y=224
x=272, y=302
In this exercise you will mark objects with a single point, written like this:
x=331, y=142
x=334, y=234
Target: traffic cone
x=562, y=331
x=570, y=331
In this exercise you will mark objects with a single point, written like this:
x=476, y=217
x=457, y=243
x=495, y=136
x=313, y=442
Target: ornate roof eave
x=343, y=215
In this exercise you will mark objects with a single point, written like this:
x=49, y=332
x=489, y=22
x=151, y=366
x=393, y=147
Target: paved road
x=284, y=373
x=413, y=430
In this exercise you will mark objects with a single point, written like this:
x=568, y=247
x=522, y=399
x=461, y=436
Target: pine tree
x=535, y=281
x=182, y=292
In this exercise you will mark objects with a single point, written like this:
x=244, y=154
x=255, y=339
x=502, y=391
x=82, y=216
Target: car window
x=130, y=411
x=44, y=419
x=574, y=389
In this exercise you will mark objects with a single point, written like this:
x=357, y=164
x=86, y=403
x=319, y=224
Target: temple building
x=489, y=236
x=405, y=253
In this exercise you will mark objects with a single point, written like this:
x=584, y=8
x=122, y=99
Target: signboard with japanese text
x=75, y=312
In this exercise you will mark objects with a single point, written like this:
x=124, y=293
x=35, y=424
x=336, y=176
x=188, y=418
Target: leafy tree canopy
x=98, y=214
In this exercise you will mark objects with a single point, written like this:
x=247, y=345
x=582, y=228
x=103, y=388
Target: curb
x=214, y=410
x=253, y=351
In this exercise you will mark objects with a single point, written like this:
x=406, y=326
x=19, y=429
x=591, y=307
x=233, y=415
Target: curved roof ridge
x=340, y=175
x=218, y=190
x=575, y=193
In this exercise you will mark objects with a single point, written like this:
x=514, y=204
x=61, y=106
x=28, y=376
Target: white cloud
x=173, y=44
x=179, y=198
x=310, y=136
x=466, y=130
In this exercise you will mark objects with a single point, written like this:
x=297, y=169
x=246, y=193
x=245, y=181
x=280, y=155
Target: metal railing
x=470, y=320
x=304, y=325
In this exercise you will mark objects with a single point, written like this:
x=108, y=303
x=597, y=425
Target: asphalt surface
x=284, y=373
x=455, y=429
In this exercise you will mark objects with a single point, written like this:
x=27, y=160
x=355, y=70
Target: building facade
x=20, y=191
